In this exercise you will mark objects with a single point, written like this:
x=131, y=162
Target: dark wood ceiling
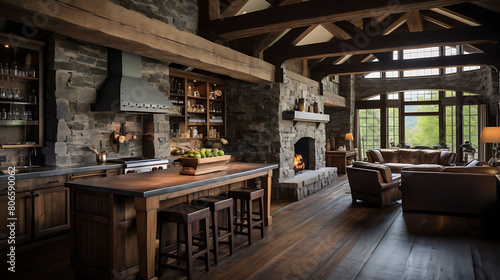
x=360, y=31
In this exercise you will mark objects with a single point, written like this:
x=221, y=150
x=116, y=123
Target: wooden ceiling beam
x=414, y=21
x=107, y=24
x=410, y=64
x=234, y=8
x=208, y=10
x=441, y=20
x=304, y=34
x=336, y=31
x=367, y=45
x=474, y=13
x=308, y=13
x=456, y=16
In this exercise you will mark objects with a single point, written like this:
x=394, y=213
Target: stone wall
x=256, y=128
x=252, y=120
x=342, y=119
x=76, y=70
x=182, y=14
x=294, y=87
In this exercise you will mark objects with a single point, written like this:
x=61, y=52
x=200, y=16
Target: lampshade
x=490, y=134
x=348, y=136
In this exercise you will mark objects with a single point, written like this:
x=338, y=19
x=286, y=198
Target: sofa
x=396, y=159
x=373, y=183
x=460, y=190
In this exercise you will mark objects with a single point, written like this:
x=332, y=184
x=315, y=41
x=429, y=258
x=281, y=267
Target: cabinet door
x=23, y=215
x=86, y=175
x=50, y=210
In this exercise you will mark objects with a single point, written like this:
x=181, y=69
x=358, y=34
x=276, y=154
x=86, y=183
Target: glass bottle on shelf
x=179, y=89
x=10, y=94
x=32, y=98
x=3, y=116
x=5, y=69
x=15, y=69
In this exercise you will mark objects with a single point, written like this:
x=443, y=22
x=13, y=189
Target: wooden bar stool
x=216, y=204
x=246, y=197
x=185, y=216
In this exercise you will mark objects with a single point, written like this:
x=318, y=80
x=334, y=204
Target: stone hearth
x=306, y=183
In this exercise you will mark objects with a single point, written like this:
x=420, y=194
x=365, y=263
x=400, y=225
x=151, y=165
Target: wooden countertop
x=166, y=181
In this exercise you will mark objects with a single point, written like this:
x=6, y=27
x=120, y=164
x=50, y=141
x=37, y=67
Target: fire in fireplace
x=304, y=154
x=298, y=163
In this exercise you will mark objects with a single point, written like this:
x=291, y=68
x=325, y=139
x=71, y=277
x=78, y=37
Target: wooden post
x=266, y=185
x=146, y=209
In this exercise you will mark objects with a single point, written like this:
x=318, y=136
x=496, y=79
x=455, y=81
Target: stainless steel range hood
x=125, y=91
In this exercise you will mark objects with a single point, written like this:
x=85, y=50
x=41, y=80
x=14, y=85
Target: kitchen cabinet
x=23, y=214
x=201, y=105
x=21, y=92
x=50, y=210
x=42, y=205
x=93, y=174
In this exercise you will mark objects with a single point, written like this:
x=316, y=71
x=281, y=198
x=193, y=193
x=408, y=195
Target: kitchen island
x=113, y=220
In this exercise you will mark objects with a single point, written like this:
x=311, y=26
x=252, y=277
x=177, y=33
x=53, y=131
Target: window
x=470, y=68
x=427, y=53
x=393, y=96
x=421, y=72
x=450, y=127
x=420, y=119
x=450, y=93
x=421, y=95
x=392, y=126
x=421, y=108
x=421, y=53
x=369, y=129
x=422, y=130
x=471, y=125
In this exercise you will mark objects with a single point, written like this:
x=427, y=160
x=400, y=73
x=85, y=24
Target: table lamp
x=349, y=137
x=491, y=134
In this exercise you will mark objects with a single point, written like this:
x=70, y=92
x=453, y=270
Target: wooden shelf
x=17, y=122
x=177, y=95
x=17, y=103
x=23, y=133
x=13, y=146
x=204, y=85
x=195, y=97
x=298, y=116
x=17, y=77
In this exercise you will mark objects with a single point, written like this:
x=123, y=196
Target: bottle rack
x=21, y=92
x=200, y=101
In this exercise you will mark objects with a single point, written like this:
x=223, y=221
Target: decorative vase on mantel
x=302, y=105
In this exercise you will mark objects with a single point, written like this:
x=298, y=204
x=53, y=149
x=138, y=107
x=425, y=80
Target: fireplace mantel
x=298, y=116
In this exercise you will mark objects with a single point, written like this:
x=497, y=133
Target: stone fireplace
x=260, y=131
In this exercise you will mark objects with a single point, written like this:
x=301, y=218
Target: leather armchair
x=373, y=183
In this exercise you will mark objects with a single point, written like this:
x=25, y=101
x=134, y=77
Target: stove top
x=139, y=161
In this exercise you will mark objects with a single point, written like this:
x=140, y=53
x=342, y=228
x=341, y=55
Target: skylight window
x=421, y=53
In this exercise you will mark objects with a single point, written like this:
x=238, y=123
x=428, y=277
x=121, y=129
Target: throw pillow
x=447, y=158
x=429, y=156
x=377, y=156
x=389, y=155
x=411, y=156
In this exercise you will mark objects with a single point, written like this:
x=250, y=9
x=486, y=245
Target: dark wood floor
x=324, y=236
